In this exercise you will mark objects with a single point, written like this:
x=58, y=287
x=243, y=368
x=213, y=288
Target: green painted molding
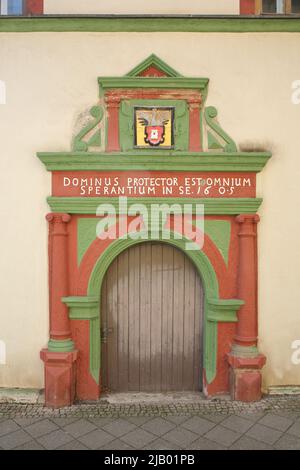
x=78, y=143
x=229, y=145
x=244, y=351
x=201, y=261
x=212, y=206
x=153, y=82
x=206, y=273
x=219, y=231
x=82, y=308
x=223, y=310
x=205, y=24
x=216, y=310
x=153, y=61
x=87, y=308
x=179, y=161
x=66, y=345
x=86, y=234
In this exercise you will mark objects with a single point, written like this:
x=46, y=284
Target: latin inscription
x=153, y=184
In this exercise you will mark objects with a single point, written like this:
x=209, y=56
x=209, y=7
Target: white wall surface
x=201, y=7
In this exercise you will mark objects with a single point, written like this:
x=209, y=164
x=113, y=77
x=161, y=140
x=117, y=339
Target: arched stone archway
x=215, y=309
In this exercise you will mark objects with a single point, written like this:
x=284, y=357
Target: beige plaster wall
x=52, y=77
x=200, y=7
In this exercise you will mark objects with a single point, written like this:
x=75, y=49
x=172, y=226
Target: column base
x=245, y=377
x=60, y=376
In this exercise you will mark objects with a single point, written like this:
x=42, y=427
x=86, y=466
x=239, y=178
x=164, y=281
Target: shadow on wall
x=253, y=146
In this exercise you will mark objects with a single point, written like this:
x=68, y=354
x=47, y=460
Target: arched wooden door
x=151, y=321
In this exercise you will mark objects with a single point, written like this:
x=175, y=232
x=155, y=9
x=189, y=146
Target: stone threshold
x=154, y=398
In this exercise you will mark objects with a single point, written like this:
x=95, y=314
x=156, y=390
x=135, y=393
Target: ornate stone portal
x=150, y=140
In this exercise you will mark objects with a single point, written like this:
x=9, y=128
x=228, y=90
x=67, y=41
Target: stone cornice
x=155, y=82
x=154, y=23
x=155, y=160
x=213, y=206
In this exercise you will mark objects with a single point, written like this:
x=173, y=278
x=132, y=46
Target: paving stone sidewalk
x=273, y=423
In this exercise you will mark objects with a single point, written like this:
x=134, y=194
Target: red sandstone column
x=194, y=125
x=246, y=334
x=244, y=359
x=113, y=107
x=58, y=276
x=60, y=356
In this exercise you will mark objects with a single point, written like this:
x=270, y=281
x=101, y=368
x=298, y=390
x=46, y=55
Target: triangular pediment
x=153, y=66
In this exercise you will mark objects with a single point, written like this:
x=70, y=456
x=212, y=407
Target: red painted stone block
x=246, y=385
x=245, y=377
x=247, y=362
x=60, y=376
x=34, y=7
x=247, y=7
x=86, y=386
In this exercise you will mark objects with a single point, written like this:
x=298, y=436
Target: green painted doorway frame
x=215, y=309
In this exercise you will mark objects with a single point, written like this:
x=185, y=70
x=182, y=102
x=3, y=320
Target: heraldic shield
x=154, y=127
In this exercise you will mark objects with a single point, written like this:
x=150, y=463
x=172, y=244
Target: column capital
x=194, y=102
x=247, y=218
x=58, y=218
x=248, y=223
x=112, y=101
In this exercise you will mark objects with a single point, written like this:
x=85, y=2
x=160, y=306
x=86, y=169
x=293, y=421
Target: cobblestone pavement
x=273, y=423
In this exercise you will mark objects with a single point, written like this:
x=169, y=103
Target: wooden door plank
x=189, y=320
x=134, y=319
x=103, y=321
x=145, y=318
x=178, y=320
x=112, y=322
x=198, y=334
x=123, y=315
x=156, y=317
x=167, y=317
